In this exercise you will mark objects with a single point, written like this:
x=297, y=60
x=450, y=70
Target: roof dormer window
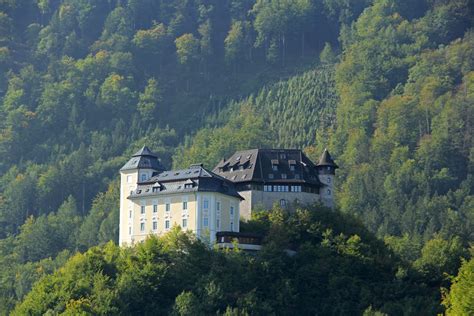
x=189, y=184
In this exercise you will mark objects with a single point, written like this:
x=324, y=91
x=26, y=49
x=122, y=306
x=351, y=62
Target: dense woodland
x=386, y=85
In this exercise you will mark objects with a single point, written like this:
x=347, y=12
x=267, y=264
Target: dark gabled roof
x=144, y=159
x=326, y=160
x=194, y=179
x=256, y=165
x=193, y=172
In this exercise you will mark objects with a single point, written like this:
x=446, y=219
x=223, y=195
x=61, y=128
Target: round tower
x=326, y=168
x=143, y=165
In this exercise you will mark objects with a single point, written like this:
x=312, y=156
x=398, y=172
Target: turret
x=143, y=165
x=326, y=168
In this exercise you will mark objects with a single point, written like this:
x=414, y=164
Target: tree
x=440, y=256
x=460, y=298
x=150, y=100
x=115, y=96
x=152, y=45
x=234, y=44
x=327, y=56
x=187, y=50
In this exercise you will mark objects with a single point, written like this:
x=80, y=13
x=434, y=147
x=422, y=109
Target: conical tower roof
x=144, y=151
x=144, y=159
x=326, y=160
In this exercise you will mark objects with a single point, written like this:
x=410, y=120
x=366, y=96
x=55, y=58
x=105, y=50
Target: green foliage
x=403, y=158
x=149, y=100
x=84, y=83
x=327, y=55
x=460, y=298
x=287, y=114
x=100, y=225
x=187, y=49
x=337, y=267
x=47, y=235
x=245, y=130
x=440, y=256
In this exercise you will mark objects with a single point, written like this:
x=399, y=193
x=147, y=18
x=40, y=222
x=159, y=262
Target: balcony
x=244, y=241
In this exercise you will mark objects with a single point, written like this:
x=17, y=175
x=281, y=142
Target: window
x=206, y=204
x=270, y=176
x=329, y=168
x=155, y=208
x=129, y=230
x=231, y=211
x=185, y=205
x=142, y=209
x=218, y=223
x=129, y=179
x=185, y=223
x=329, y=192
x=283, y=175
x=142, y=227
x=143, y=176
x=292, y=167
x=275, y=167
x=282, y=156
x=218, y=206
x=267, y=188
x=130, y=214
x=231, y=226
x=167, y=207
x=329, y=179
x=155, y=225
x=205, y=221
x=282, y=202
x=167, y=224
x=297, y=176
x=295, y=188
x=188, y=185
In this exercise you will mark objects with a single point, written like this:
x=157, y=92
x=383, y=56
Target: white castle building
x=210, y=203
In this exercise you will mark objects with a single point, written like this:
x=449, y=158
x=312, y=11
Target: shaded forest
x=386, y=85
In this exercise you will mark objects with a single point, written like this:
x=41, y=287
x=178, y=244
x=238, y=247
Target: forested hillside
x=386, y=85
x=338, y=268
x=403, y=126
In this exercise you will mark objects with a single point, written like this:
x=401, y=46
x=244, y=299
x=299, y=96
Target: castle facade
x=209, y=203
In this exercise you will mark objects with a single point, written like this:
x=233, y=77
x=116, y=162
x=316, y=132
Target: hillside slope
x=339, y=268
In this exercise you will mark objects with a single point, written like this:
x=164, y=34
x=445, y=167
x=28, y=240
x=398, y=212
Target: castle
x=152, y=199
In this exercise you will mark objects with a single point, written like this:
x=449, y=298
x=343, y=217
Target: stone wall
x=266, y=200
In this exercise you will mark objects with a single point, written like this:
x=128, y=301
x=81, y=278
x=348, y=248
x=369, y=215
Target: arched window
x=282, y=202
